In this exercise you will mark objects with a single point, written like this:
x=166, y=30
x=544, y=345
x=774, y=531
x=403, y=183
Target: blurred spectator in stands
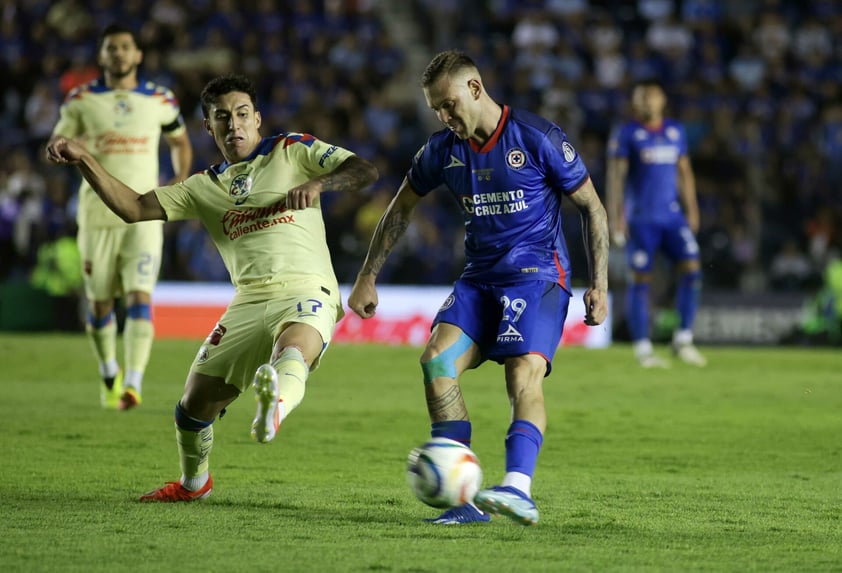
x=757, y=83
x=791, y=269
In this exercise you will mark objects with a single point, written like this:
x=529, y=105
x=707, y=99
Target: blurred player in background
x=653, y=207
x=119, y=119
x=509, y=170
x=262, y=210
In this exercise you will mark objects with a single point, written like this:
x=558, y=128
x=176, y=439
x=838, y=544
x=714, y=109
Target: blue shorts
x=508, y=320
x=675, y=240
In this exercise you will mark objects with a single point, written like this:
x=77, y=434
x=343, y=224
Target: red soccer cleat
x=173, y=491
x=129, y=399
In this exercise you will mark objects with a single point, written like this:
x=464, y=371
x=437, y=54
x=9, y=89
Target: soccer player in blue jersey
x=652, y=201
x=509, y=170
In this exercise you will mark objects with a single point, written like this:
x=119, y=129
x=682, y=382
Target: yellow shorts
x=243, y=338
x=127, y=257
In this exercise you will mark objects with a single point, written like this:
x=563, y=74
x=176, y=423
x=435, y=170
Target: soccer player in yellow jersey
x=261, y=207
x=119, y=119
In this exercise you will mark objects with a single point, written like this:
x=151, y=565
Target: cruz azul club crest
x=240, y=188
x=516, y=158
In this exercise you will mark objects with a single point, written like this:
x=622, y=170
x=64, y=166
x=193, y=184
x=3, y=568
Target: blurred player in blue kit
x=509, y=170
x=653, y=207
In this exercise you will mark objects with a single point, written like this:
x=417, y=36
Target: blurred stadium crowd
x=757, y=83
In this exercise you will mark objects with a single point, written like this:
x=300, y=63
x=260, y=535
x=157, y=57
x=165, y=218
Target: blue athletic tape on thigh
x=186, y=422
x=445, y=363
x=139, y=311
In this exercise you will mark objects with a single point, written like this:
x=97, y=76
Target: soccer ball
x=443, y=473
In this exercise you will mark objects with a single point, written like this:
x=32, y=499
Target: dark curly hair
x=222, y=85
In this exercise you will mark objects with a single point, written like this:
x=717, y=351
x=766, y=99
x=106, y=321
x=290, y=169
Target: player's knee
x=691, y=267
x=435, y=364
x=101, y=308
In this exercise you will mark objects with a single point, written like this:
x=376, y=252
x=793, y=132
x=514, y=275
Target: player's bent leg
x=268, y=417
x=448, y=353
x=524, y=384
x=280, y=385
x=204, y=397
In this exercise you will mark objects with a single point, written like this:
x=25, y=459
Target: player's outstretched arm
x=595, y=230
x=121, y=199
x=392, y=226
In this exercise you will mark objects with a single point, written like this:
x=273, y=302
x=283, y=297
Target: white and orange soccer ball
x=443, y=473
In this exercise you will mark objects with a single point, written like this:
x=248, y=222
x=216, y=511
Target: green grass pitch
x=736, y=467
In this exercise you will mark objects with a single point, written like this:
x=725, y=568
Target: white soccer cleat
x=268, y=416
x=646, y=356
x=689, y=354
x=652, y=360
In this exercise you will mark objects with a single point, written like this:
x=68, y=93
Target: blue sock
x=687, y=298
x=637, y=310
x=459, y=430
x=186, y=422
x=523, y=442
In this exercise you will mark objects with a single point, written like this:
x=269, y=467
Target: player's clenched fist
x=64, y=151
x=303, y=196
x=363, y=298
x=596, y=306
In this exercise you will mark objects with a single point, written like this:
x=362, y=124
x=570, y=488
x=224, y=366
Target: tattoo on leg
x=449, y=405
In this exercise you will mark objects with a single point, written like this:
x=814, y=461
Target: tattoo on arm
x=353, y=174
x=389, y=230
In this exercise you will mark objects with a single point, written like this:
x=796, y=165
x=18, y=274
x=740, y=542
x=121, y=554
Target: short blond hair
x=445, y=64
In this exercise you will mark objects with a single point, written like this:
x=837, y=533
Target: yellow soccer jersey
x=122, y=130
x=243, y=206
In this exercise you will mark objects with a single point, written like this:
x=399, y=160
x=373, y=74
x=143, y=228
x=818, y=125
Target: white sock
x=682, y=337
x=194, y=483
x=109, y=369
x=643, y=347
x=519, y=481
x=133, y=379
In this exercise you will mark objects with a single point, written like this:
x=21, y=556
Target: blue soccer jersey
x=651, y=193
x=510, y=190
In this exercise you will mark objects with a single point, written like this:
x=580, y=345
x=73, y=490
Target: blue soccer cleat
x=509, y=501
x=460, y=515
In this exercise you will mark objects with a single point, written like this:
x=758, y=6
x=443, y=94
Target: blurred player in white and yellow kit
x=120, y=119
x=261, y=207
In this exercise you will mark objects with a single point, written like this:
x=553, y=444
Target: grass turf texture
x=731, y=468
